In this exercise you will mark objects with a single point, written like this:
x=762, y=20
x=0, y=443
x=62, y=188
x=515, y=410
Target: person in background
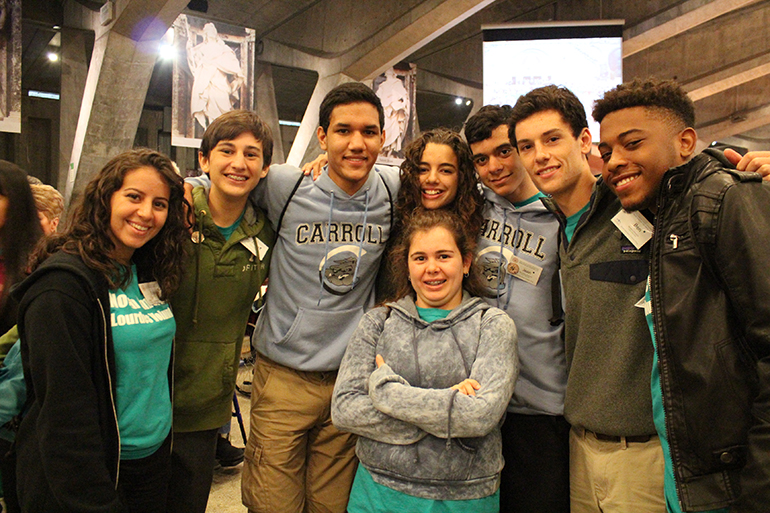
x=425, y=381
x=96, y=338
x=50, y=206
x=19, y=231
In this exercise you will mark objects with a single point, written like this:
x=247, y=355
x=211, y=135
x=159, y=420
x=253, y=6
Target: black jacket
x=68, y=442
x=710, y=284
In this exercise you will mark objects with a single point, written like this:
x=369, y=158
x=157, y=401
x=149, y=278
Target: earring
x=466, y=274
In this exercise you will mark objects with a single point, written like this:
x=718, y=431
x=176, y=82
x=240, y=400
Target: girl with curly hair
x=437, y=173
x=96, y=339
x=426, y=379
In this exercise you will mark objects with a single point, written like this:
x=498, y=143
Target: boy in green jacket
x=227, y=262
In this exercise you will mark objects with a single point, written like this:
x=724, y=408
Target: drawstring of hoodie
x=326, y=248
x=197, y=244
x=361, y=242
x=501, y=272
x=510, y=278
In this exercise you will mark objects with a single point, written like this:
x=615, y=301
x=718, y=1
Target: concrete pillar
x=74, y=71
x=305, y=145
x=267, y=108
x=112, y=105
x=124, y=54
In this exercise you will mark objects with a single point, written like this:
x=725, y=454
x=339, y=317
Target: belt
x=638, y=439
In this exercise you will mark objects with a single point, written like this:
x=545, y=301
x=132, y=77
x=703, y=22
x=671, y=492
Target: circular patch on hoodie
x=337, y=270
x=493, y=266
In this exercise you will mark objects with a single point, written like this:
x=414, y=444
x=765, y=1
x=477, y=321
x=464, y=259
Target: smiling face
x=438, y=176
x=638, y=145
x=554, y=158
x=436, y=269
x=235, y=166
x=500, y=168
x=352, y=143
x=138, y=211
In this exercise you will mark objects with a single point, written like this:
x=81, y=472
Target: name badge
x=259, y=249
x=634, y=226
x=523, y=270
x=151, y=292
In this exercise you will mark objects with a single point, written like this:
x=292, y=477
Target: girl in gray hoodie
x=425, y=381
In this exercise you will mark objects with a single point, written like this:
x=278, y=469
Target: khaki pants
x=615, y=476
x=296, y=460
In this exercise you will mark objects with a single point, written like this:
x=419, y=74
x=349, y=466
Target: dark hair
x=468, y=202
x=232, y=124
x=21, y=229
x=481, y=125
x=549, y=97
x=651, y=93
x=88, y=231
x=345, y=94
x=421, y=221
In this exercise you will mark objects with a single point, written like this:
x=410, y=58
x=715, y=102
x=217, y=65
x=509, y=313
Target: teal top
x=572, y=221
x=142, y=335
x=227, y=231
x=658, y=413
x=529, y=200
x=432, y=314
x=370, y=497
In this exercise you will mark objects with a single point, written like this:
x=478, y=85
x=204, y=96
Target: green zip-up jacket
x=212, y=308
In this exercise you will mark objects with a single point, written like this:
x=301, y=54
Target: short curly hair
x=664, y=95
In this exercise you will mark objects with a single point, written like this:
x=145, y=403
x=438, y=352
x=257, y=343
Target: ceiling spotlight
x=166, y=52
x=458, y=101
x=53, y=56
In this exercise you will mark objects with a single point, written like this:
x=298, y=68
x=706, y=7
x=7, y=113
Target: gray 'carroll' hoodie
x=324, y=262
x=417, y=435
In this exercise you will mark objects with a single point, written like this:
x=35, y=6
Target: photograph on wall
x=10, y=67
x=213, y=74
x=397, y=90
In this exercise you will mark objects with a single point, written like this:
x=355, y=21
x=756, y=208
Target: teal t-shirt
x=142, y=334
x=529, y=200
x=432, y=314
x=227, y=231
x=658, y=413
x=572, y=222
x=366, y=496
x=370, y=497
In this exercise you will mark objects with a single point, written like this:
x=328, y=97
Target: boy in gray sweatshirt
x=330, y=237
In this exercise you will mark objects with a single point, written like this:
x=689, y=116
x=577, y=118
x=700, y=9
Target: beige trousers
x=296, y=461
x=615, y=477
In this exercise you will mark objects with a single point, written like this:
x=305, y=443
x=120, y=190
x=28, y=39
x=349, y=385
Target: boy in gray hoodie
x=330, y=236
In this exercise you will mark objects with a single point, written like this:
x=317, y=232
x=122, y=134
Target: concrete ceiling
x=719, y=49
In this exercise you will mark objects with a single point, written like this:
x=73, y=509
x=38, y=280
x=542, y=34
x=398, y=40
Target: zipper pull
x=674, y=240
